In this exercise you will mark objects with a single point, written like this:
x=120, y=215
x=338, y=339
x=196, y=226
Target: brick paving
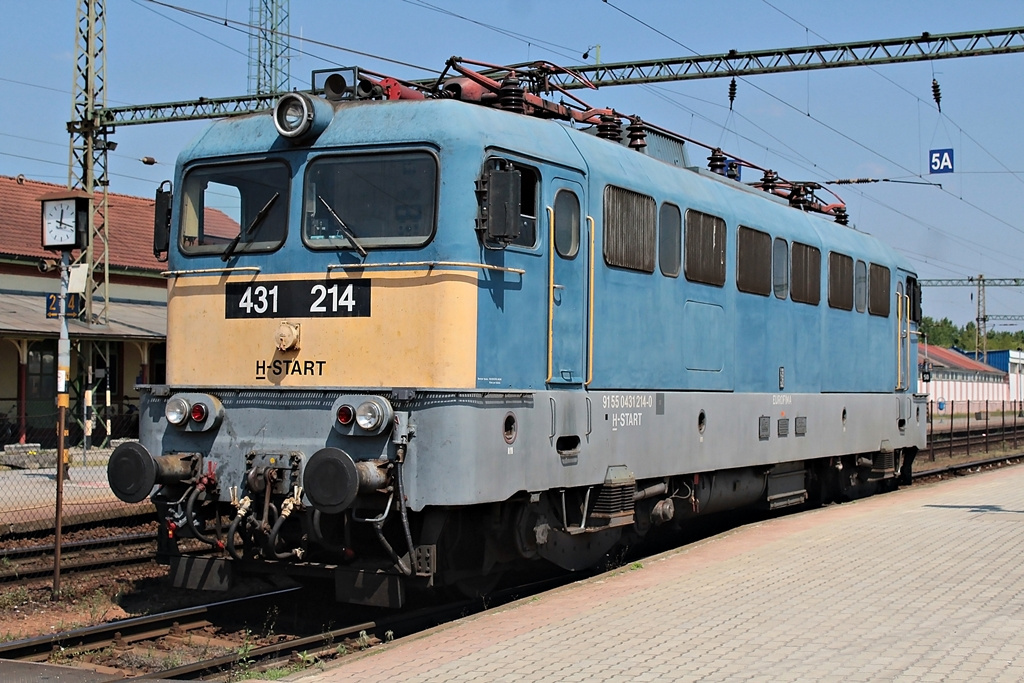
x=925, y=584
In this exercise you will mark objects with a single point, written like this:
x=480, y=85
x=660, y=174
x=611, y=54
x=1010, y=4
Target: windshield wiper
x=349, y=235
x=251, y=229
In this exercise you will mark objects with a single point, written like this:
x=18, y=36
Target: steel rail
x=29, y=551
x=82, y=639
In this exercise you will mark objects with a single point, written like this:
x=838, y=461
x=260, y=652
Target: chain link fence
x=28, y=471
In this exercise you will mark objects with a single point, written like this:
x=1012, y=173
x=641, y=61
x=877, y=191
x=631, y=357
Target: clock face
x=59, y=229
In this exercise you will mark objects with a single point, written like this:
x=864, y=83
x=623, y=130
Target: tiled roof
x=129, y=224
x=22, y=314
x=951, y=358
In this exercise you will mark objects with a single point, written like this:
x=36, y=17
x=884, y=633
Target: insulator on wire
x=610, y=127
x=770, y=181
x=717, y=161
x=510, y=95
x=937, y=94
x=637, y=135
x=732, y=92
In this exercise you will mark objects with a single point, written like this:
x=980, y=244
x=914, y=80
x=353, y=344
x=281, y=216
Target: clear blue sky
x=838, y=123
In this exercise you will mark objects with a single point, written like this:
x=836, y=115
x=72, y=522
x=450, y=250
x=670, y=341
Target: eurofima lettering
x=280, y=367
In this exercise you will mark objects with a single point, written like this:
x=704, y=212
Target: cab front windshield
x=362, y=202
x=234, y=208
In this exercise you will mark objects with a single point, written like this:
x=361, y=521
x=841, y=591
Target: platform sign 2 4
x=940, y=161
x=75, y=305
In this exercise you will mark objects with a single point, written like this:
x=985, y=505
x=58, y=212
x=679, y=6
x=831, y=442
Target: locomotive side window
x=780, y=268
x=879, y=291
x=629, y=223
x=914, y=292
x=567, y=223
x=528, y=206
x=362, y=202
x=860, y=286
x=753, y=261
x=704, y=248
x=670, y=247
x=241, y=207
x=840, y=281
x=806, y=274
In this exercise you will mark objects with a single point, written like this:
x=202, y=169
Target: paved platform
x=925, y=584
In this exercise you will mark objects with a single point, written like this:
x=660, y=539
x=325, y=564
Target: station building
x=107, y=360
x=952, y=375
x=1010, y=361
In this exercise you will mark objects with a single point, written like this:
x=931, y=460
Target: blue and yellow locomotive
x=418, y=336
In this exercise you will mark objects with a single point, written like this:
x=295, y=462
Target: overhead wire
x=497, y=29
x=942, y=117
x=906, y=90
x=973, y=245
x=239, y=25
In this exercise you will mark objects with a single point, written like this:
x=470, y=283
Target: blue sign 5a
x=940, y=161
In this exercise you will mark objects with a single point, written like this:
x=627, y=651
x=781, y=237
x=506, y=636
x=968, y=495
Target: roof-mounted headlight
x=297, y=115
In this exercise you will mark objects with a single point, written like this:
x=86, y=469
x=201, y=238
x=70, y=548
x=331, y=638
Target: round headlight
x=369, y=415
x=177, y=410
x=293, y=115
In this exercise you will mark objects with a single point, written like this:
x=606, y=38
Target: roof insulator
x=510, y=95
x=732, y=92
x=798, y=196
x=769, y=181
x=637, y=134
x=610, y=128
x=716, y=162
x=937, y=94
x=842, y=218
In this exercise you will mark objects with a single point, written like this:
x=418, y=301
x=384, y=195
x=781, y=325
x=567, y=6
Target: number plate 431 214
x=298, y=299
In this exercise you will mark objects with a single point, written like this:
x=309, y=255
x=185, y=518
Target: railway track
x=130, y=641
x=955, y=442
x=88, y=555
x=128, y=632
x=968, y=465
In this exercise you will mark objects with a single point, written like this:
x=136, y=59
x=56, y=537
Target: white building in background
x=955, y=376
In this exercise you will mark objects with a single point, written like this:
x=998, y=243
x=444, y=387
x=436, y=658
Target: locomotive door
x=903, y=337
x=568, y=245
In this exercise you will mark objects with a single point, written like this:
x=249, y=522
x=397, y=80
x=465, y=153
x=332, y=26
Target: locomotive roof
x=454, y=127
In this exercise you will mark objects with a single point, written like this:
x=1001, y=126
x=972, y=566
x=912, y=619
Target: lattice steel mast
x=981, y=322
x=87, y=158
x=269, y=71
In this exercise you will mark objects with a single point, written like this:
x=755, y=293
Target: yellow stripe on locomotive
x=400, y=328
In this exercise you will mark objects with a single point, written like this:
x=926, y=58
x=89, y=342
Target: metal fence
x=28, y=472
x=968, y=429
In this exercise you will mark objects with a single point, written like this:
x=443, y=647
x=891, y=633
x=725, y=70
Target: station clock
x=65, y=220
